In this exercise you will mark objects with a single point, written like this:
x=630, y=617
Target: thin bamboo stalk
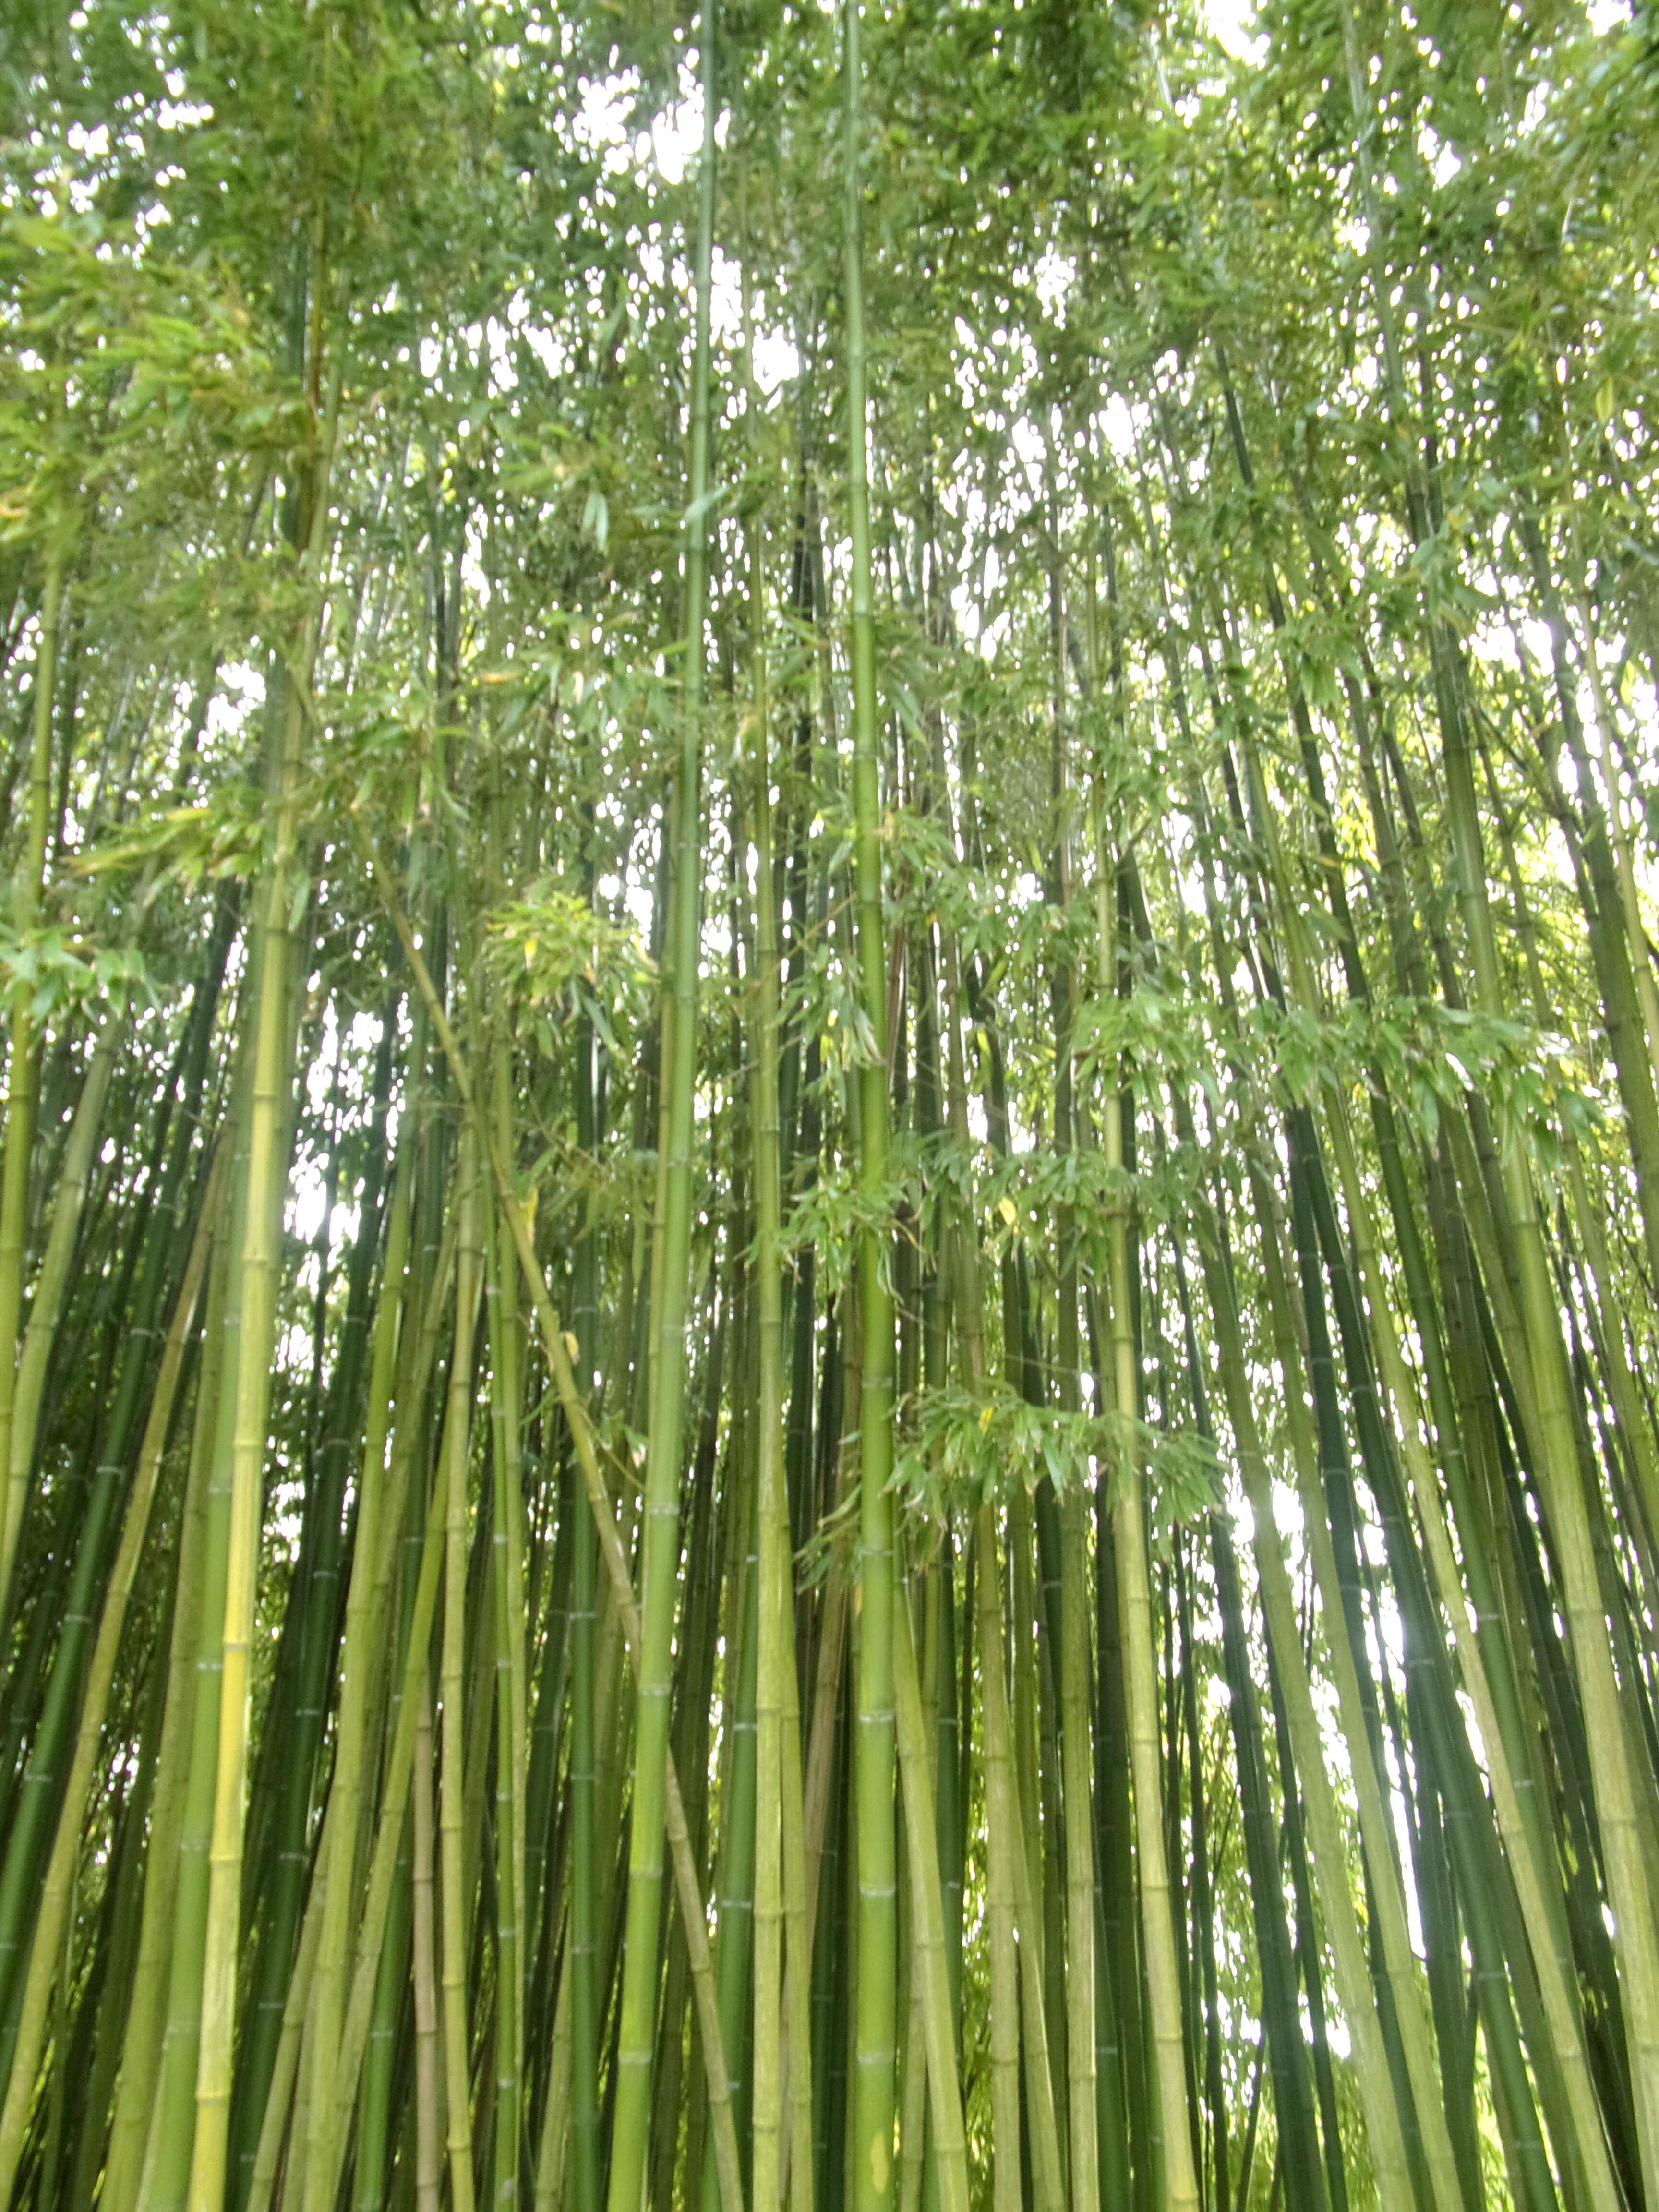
x=878, y=2001
x=20, y=1129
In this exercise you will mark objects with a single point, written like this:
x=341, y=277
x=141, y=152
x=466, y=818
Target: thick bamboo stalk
x=259, y=1262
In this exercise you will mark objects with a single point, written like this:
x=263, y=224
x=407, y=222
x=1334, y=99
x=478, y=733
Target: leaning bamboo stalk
x=685, y=1876
x=557, y=1353
x=53, y=1913
x=20, y=1120
x=1641, y=959
x=141, y=2038
x=166, y=2119
x=299, y=2025
x=46, y=1304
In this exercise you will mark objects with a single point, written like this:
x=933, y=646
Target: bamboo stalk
x=19, y=1125
x=877, y=1889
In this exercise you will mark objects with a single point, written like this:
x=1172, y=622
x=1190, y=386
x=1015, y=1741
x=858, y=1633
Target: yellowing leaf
x=1005, y=1208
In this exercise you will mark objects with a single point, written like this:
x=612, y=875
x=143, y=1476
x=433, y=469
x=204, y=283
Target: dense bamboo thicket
x=829, y=1194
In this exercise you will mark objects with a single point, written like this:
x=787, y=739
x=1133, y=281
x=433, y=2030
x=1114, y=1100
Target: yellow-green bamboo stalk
x=1076, y=1746
x=878, y=1946
x=637, y=2029
x=949, y=2146
x=140, y=2048
x=260, y=1257
x=1001, y=1842
x=453, y=1689
x=798, y=1927
x=426, y=1990
x=774, y=1627
x=1140, y=1665
x=507, y=1588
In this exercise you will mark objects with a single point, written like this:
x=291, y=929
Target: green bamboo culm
x=878, y=1925
x=457, y=2038
x=636, y=2032
x=1140, y=1660
x=273, y=1016
x=261, y=1241
x=771, y=1611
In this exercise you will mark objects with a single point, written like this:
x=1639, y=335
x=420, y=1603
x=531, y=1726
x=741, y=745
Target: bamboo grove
x=829, y=1211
